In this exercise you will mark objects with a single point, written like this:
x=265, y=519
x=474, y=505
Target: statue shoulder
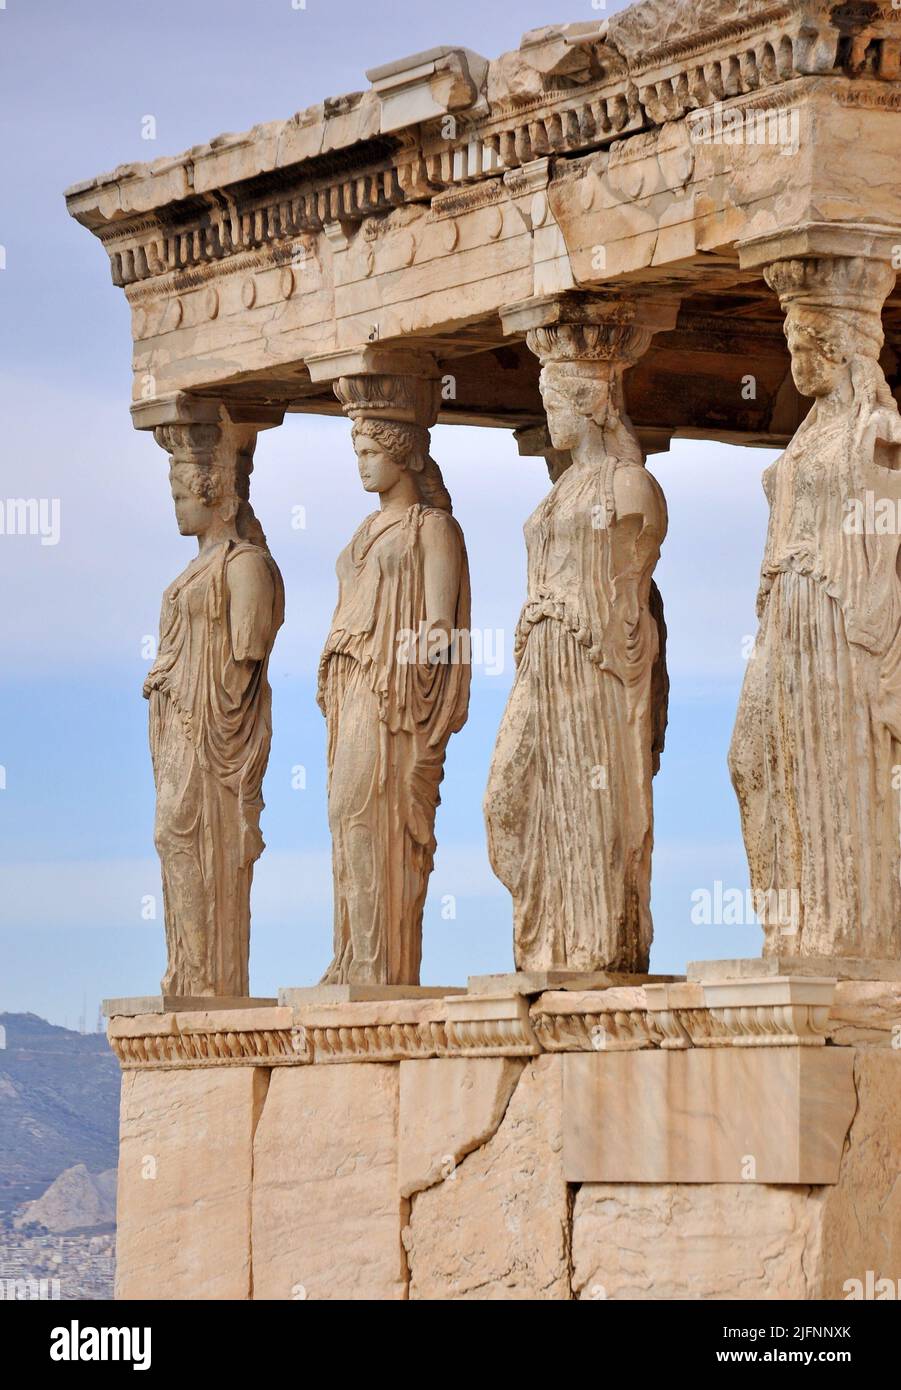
x=251, y=569
x=440, y=524
x=637, y=492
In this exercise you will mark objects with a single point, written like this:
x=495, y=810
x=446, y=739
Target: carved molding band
x=619, y=1031
x=388, y=1042
x=769, y=1026
x=612, y=1020
x=263, y=1048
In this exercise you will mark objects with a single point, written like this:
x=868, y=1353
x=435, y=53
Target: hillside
x=59, y=1104
x=76, y=1201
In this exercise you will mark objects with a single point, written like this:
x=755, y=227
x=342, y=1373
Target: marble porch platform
x=682, y=1139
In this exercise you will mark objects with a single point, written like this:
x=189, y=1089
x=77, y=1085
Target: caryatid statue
x=568, y=805
x=817, y=743
x=210, y=710
x=393, y=682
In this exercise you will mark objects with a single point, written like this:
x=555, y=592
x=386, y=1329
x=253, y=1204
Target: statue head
x=833, y=318
x=386, y=449
x=818, y=358
x=581, y=382
x=574, y=399
x=209, y=475
x=392, y=415
x=824, y=345
x=202, y=498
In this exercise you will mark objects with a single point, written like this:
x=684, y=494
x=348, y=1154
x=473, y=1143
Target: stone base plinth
x=755, y=967
x=539, y=981
x=177, y=1003
x=733, y=1139
x=361, y=994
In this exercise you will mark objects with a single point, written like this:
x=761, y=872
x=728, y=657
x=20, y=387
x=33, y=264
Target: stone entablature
x=568, y=89
x=594, y=156
x=770, y=1012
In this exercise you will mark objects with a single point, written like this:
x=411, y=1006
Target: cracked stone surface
x=444, y=1179
x=327, y=1213
x=650, y=1241
x=498, y=1226
x=862, y=1220
x=448, y=1107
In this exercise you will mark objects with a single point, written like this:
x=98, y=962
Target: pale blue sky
x=76, y=853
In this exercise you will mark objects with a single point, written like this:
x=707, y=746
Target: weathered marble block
x=498, y=1226
x=185, y=1171
x=327, y=1209
x=448, y=1108
x=746, y=1240
x=707, y=1115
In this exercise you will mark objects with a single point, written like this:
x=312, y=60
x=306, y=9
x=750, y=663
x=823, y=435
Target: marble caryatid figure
x=393, y=682
x=568, y=805
x=817, y=743
x=210, y=719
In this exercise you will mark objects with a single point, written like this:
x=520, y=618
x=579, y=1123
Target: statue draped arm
x=442, y=562
x=251, y=596
x=882, y=443
x=636, y=536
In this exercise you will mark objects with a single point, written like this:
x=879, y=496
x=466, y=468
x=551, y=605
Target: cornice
x=757, y=58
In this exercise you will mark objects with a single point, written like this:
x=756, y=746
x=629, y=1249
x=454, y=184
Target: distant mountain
x=76, y=1201
x=59, y=1105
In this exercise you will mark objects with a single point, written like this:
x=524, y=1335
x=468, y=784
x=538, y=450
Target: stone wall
x=342, y=1165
